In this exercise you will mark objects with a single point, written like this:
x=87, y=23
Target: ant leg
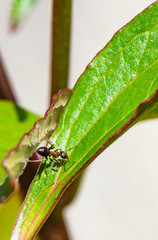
x=52, y=146
x=38, y=160
x=57, y=149
x=54, y=160
x=58, y=161
x=52, y=164
x=69, y=160
x=70, y=147
x=48, y=141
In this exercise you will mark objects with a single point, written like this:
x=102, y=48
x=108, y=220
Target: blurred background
x=118, y=195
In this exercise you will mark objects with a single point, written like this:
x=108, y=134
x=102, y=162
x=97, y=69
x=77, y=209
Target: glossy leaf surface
x=118, y=88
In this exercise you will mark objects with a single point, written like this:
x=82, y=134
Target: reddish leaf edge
x=147, y=104
x=13, y=181
x=113, y=37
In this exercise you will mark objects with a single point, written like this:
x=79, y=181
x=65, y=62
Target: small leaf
x=14, y=121
x=20, y=10
x=116, y=90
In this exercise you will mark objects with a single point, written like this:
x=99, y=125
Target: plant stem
x=6, y=91
x=60, y=45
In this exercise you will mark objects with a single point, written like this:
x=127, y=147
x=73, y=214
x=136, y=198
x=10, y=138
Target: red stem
x=6, y=91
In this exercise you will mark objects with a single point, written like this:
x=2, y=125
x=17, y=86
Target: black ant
x=46, y=152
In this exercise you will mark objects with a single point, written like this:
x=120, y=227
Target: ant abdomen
x=43, y=151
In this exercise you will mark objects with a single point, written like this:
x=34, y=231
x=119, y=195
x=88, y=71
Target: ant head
x=43, y=151
x=64, y=154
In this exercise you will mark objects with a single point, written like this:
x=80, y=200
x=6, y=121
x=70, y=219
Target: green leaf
x=8, y=214
x=14, y=122
x=20, y=10
x=152, y=114
x=17, y=158
x=116, y=90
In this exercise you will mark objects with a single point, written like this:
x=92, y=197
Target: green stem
x=60, y=45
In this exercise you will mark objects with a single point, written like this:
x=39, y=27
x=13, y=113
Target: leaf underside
x=117, y=89
x=152, y=114
x=17, y=158
x=14, y=121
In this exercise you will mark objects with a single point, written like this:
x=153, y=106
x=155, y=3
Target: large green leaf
x=118, y=88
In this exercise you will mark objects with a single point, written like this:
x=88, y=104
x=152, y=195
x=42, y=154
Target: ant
x=46, y=152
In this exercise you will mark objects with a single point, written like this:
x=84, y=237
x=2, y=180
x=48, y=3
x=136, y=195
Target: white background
x=118, y=196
